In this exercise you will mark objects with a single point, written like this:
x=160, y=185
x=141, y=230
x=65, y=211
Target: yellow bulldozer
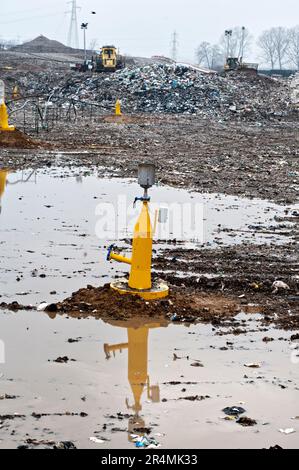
x=108, y=60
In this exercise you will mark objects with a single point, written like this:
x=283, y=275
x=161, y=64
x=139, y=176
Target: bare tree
x=235, y=42
x=203, y=54
x=267, y=45
x=281, y=39
x=217, y=58
x=209, y=55
x=8, y=43
x=293, y=49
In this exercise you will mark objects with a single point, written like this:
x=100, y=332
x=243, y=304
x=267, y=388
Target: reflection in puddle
x=23, y=177
x=3, y=182
x=141, y=387
x=139, y=380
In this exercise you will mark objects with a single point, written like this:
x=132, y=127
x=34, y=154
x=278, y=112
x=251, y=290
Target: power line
x=73, y=38
x=174, y=46
x=30, y=18
x=14, y=13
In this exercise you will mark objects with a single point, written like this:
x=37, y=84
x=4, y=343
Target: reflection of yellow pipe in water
x=137, y=363
x=4, y=126
x=3, y=177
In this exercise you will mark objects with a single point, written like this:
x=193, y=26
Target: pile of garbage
x=294, y=86
x=170, y=88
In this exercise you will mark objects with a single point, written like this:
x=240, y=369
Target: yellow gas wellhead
x=140, y=275
x=140, y=282
x=15, y=92
x=118, y=108
x=4, y=125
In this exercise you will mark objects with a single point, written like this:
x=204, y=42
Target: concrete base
x=159, y=289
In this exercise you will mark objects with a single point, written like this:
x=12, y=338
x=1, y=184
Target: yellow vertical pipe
x=117, y=108
x=140, y=275
x=4, y=125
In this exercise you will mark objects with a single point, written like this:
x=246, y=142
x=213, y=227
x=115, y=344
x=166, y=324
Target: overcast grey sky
x=144, y=27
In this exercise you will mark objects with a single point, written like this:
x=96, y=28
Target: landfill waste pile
x=163, y=88
x=294, y=85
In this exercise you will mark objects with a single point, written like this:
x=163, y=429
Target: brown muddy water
x=120, y=379
x=134, y=385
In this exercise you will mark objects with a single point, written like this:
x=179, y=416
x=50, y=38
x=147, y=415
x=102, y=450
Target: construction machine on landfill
x=108, y=60
x=236, y=64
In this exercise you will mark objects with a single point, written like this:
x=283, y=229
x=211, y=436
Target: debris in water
x=287, y=431
x=245, y=421
x=279, y=285
x=233, y=410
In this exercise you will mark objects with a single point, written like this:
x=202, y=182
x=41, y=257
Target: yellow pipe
x=4, y=126
x=120, y=258
x=117, y=108
x=140, y=275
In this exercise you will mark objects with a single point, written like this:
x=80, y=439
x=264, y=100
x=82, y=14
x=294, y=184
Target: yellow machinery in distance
x=108, y=60
x=140, y=282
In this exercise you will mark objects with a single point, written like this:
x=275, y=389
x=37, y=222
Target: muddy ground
x=236, y=159
x=208, y=156
x=73, y=395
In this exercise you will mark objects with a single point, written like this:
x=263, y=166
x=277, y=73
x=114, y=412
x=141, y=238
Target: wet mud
x=203, y=155
x=181, y=305
x=18, y=140
x=226, y=336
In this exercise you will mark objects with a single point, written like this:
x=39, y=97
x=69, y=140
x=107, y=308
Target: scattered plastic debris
x=233, y=410
x=279, y=285
x=42, y=307
x=287, y=431
x=96, y=440
x=245, y=421
x=145, y=442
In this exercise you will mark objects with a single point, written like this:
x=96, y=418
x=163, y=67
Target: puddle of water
x=49, y=247
x=134, y=380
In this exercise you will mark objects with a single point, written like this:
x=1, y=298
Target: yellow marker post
x=15, y=92
x=4, y=125
x=140, y=282
x=118, y=108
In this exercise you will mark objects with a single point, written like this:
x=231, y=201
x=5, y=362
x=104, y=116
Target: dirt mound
x=182, y=305
x=17, y=139
x=41, y=44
